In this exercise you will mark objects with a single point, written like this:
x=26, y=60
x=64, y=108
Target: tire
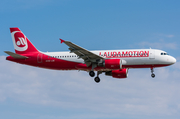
x=152, y=75
x=97, y=79
x=91, y=73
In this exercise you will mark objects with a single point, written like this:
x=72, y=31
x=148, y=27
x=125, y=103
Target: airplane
x=115, y=63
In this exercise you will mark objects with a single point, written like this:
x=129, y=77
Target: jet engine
x=111, y=64
x=122, y=73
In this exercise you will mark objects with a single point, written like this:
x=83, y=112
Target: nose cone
x=172, y=60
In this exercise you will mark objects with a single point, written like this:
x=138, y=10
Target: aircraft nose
x=173, y=60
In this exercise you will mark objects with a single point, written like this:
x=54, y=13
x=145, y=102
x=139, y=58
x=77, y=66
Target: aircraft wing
x=88, y=56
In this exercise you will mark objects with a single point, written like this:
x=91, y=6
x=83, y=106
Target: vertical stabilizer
x=21, y=43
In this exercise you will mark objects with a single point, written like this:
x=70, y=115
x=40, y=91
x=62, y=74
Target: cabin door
x=152, y=54
x=39, y=58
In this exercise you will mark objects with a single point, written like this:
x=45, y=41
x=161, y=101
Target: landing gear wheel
x=91, y=73
x=97, y=79
x=152, y=75
x=152, y=72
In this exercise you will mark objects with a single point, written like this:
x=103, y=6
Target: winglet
x=62, y=40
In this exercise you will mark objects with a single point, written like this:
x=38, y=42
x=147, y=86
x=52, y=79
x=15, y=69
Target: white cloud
x=159, y=45
x=170, y=36
x=139, y=94
x=160, y=41
x=166, y=35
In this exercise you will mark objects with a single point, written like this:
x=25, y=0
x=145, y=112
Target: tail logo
x=19, y=41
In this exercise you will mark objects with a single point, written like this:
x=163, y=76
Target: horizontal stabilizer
x=14, y=55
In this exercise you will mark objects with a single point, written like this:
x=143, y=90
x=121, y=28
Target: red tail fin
x=21, y=43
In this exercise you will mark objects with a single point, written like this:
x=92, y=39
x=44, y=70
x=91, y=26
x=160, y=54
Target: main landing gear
x=91, y=73
x=96, y=79
x=152, y=73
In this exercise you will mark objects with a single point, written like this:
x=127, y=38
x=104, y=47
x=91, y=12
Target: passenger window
x=161, y=53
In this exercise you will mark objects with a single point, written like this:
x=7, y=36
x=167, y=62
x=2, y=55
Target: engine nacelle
x=122, y=73
x=113, y=64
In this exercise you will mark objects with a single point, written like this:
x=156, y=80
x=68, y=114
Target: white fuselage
x=129, y=57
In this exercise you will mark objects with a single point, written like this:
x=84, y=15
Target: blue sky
x=29, y=92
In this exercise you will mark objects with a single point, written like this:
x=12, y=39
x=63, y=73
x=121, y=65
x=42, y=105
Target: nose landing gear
x=152, y=73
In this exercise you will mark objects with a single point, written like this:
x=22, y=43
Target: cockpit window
x=164, y=53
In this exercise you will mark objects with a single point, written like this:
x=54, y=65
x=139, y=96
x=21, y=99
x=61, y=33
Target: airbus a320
x=115, y=63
